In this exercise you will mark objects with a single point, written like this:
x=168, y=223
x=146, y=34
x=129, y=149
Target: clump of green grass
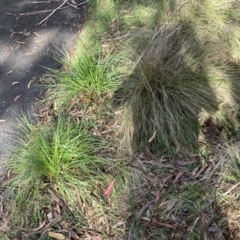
x=88, y=76
x=63, y=155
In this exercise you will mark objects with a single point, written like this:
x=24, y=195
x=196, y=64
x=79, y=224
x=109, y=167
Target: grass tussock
x=61, y=169
x=63, y=155
x=182, y=74
x=88, y=76
x=165, y=92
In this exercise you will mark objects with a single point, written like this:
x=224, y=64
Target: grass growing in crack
x=63, y=155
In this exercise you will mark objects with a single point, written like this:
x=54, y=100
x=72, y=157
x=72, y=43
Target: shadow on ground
x=26, y=48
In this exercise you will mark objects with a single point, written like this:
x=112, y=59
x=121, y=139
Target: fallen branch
x=61, y=5
x=72, y=4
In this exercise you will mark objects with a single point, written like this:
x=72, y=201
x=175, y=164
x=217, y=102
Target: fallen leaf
x=9, y=173
x=178, y=176
x=184, y=163
x=109, y=188
x=166, y=225
x=120, y=223
x=202, y=169
x=9, y=72
x=153, y=136
x=57, y=236
x=212, y=229
x=15, y=83
x=157, y=195
x=142, y=210
x=17, y=97
x=31, y=81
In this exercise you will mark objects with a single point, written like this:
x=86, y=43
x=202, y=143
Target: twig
x=11, y=14
x=39, y=2
x=60, y=7
x=83, y=3
x=64, y=2
x=72, y=5
x=234, y=186
x=37, y=12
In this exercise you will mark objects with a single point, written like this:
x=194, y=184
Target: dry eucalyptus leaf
x=17, y=97
x=142, y=210
x=184, y=163
x=30, y=82
x=212, y=229
x=15, y=83
x=57, y=236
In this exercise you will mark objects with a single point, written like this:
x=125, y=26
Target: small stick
x=72, y=5
x=11, y=14
x=83, y=3
x=64, y=2
x=39, y=2
x=34, y=13
x=234, y=186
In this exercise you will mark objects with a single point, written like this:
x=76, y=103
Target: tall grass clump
x=165, y=92
x=63, y=156
x=182, y=71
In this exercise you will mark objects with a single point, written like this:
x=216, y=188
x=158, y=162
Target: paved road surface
x=24, y=49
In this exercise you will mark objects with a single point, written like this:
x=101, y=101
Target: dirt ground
x=26, y=50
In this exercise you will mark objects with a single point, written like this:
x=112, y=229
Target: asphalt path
x=26, y=50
